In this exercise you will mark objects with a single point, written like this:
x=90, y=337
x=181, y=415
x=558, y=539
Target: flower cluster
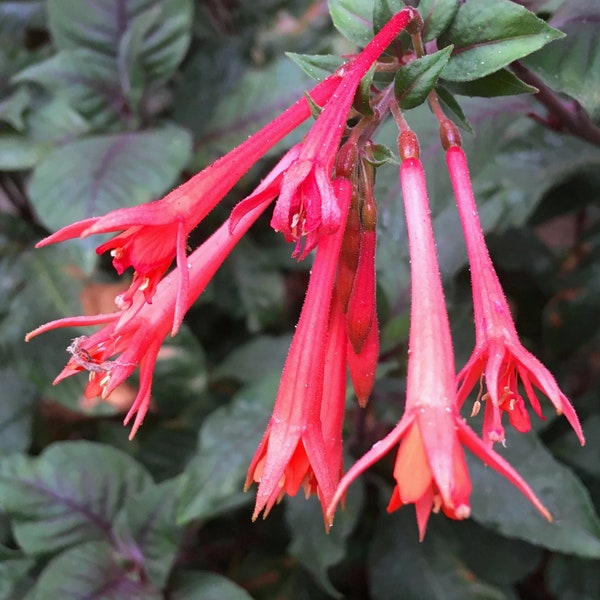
x=323, y=194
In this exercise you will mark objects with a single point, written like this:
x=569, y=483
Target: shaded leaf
x=91, y=570
x=489, y=34
x=18, y=400
x=575, y=528
x=571, y=578
x=428, y=569
x=247, y=363
x=69, y=495
x=316, y=549
x=414, y=81
x=13, y=107
x=93, y=176
x=208, y=586
x=213, y=480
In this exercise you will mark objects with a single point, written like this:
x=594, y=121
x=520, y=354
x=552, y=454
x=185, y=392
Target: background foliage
x=107, y=103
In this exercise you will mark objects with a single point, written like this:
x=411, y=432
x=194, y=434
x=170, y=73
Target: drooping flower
x=430, y=469
x=296, y=449
x=155, y=233
x=132, y=337
x=307, y=207
x=499, y=357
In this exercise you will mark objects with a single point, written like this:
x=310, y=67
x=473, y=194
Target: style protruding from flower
x=295, y=450
x=430, y=469
x=499, y=358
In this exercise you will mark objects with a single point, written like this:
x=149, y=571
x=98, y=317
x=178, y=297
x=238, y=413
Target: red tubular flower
x=135, y=334
x=293, y=451
x=307, y=204
x=430, y=469
x=498, y=354
x=154, y=234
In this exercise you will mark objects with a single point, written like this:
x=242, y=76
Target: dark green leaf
x=100, y=25
x=414, y=81
x=316, y=549
x=489, y=34
x=384, y=10
x=500, y=83
x=18, y=399
x=259, y=284
x=428, y=569
x=585, y=458
x=247, y=363
x=91, y=570
x=353, y=19
x=207, y=586
x=575, y=528
x=437, y=16
x=572, y=65
x=145, y=530
x=13, y=575
x=571, y=578
x=317, y=66
x=214, y=479
x=69, y=495
x=112, y=171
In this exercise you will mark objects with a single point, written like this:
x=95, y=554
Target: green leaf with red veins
x=490, y=34
x=572, y=65
x=414, y=81
x=353, y=19
x=68, y=495
x=317, y=66
x=500, y=83
x=92, y=570
x=113, y=171
x=437, y=16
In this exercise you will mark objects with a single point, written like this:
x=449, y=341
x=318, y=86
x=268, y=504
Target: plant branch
x=564, y=115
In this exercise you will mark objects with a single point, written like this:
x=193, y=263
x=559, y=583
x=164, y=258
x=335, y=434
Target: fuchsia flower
x=155, y=233
x=307, y=205
x=499, y=356
x=430, y=469
x=302, y=444
x=134, y=335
